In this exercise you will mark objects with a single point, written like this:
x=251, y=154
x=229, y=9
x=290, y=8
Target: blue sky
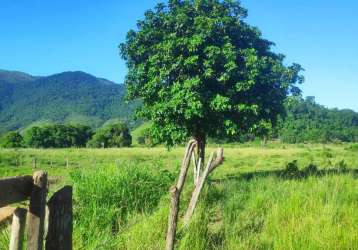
x=47, y=37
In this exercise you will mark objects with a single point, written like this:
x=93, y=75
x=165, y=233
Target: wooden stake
x=212, y=164
x=17, y=229
x=36, y=214
x=198, y=172
x=175, y=192
x=34, y=162
x=195, y=167
x=173, y=217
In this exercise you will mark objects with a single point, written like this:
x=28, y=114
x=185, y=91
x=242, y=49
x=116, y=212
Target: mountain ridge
x=71, y=96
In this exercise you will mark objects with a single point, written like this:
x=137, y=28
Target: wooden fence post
x=36, y=214
x=17, y=229
x=59, y=236
x=175, y=192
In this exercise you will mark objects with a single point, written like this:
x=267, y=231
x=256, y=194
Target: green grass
x=253, y=201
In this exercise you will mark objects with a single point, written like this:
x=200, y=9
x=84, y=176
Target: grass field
x=252, y=201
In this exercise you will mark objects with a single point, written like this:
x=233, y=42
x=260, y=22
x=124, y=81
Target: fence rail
x=15, y=189
x=34, y=189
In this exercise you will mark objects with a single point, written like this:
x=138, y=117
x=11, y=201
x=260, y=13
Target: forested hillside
x=69, y=97
x=307, y=121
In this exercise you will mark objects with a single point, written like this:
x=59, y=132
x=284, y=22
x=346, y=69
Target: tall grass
x=4, y=237
x=107, y=198
x=274, y=213
x=275, y=197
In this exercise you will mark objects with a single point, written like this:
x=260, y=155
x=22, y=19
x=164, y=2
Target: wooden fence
x=57, y=225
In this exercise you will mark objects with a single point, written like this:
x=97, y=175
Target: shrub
x=291, y=170
x=12, y=140
x=292, y=167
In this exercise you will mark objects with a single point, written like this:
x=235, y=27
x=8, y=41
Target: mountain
x=15, y=76
x=67, y=97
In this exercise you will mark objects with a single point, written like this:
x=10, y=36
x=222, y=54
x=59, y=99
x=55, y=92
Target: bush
x=292, y=170
x=12, y=140
x=292, y=167
x=111, y=136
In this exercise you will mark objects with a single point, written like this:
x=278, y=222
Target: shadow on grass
x=287, y=175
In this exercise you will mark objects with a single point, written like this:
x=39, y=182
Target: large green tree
x=201, y=71
x=114, y=135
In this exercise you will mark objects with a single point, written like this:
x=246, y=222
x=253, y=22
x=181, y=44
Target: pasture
x=256, y=199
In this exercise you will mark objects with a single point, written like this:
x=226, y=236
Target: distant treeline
x=65, y=136
x=307, y=121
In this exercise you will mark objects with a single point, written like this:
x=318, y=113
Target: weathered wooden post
x=211, y=165
x=34, y=162
x=59, y=236
x=175, y=192
x=36, y=214
x=67, y=163
x=17, y=229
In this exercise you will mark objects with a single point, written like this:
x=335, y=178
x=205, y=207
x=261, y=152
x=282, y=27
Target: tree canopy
x=57, y=136
x=111, y=136
x=201, y=71
x=11, y=140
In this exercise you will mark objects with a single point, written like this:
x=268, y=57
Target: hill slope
x=308, y=121
x=66, y=97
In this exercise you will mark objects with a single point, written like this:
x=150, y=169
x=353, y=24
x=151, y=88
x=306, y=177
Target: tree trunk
x=201, y=139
